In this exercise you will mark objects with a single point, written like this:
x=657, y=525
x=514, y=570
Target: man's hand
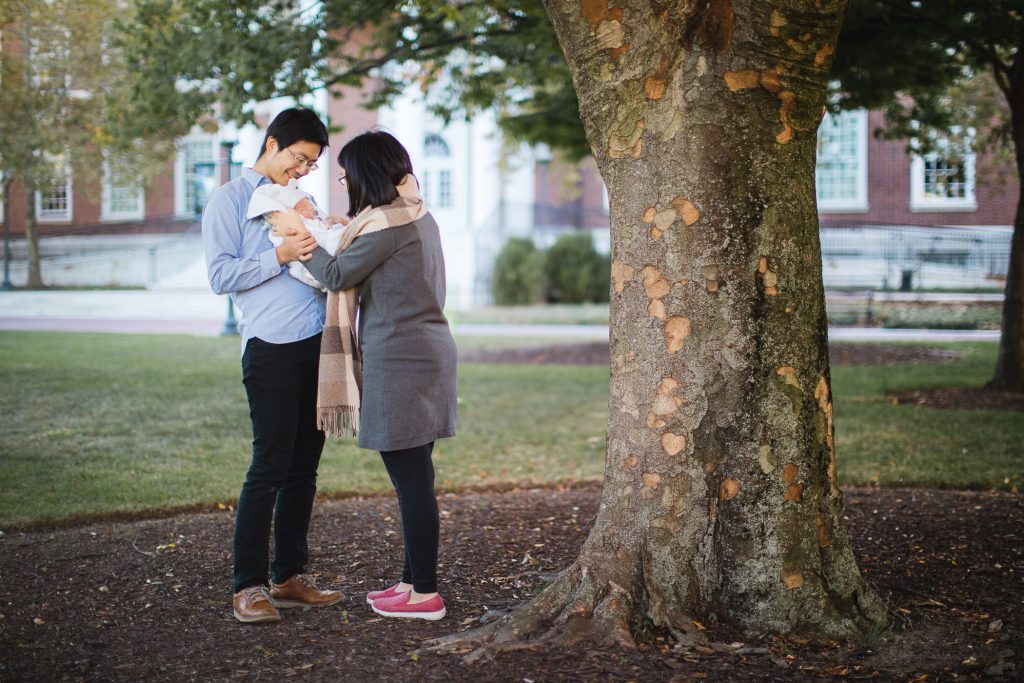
x=297, y=246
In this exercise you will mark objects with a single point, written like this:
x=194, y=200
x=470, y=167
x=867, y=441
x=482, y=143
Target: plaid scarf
x=341, y=376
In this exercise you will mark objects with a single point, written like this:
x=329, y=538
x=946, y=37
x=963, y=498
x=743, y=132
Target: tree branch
x=363, y=67
x=1002, y=77
x=979, y=47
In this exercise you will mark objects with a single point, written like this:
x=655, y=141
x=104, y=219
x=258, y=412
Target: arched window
x=436, y=174
x=435, y=146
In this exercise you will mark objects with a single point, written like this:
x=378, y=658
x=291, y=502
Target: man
x=281, y=322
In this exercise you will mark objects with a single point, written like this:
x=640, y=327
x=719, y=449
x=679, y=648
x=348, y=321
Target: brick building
x=482, y=195
x=861, y=180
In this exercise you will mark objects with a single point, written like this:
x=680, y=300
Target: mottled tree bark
x=720, y=497
x=1009, y=375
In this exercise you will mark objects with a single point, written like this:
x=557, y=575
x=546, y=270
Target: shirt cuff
x=269, y=265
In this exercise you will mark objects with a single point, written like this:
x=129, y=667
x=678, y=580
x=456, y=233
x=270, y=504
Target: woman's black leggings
x=412, y=472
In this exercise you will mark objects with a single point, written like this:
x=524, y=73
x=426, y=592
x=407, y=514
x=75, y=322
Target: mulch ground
x=961, y=398
x=149, y=600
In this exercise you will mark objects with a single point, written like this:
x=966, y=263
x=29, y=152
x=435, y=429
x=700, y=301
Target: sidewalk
x=203, y=313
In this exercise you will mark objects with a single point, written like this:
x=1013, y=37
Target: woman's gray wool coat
x=408, y=353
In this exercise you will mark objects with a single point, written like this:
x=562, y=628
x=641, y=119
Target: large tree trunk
x=1009, y=374
x=35, y=277
x=720, y=497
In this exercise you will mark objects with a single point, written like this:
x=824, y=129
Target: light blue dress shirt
x=241, y=262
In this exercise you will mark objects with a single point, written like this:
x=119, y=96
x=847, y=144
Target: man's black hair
x=296, y=125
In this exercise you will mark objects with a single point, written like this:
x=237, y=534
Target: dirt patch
x=962, y=399
x=865, y=354
x=597, y=354
x=840, y=354
x=556, y=354
x=149, y=600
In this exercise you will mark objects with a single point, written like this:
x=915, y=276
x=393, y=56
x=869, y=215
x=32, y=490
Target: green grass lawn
x=912, y=445
x=96, y=423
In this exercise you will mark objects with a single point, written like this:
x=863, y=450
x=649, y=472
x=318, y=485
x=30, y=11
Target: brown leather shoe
x=253, y=605
x=300, y=591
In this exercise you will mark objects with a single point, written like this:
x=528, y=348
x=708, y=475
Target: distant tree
x=471, y=56
x=67, y=104
x=939, y=70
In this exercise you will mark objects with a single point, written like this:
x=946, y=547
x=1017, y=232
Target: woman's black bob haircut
x=374, y=164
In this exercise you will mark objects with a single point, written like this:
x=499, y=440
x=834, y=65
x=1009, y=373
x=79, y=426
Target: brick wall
x=345, y=111
x=569, y=195
x=889, y=191
x=573, y=196
x=86, y=211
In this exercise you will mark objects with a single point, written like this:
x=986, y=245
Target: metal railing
x=911, y=258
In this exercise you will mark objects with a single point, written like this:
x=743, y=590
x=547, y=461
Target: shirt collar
x=254, y=178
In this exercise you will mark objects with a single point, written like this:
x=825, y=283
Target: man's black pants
x=281, y=383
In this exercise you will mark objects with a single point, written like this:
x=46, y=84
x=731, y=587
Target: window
x=841, y=174
x=193, y=151
x=49, y=57
x=435, y=146
x=436, y=174
x=426, y=186
x=444, y=189
x=123, y=197
x=54, y=201
x=943, y=180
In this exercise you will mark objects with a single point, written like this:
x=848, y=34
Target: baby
x=269, y=198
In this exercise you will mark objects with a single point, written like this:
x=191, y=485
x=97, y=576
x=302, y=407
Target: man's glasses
x=303, y=161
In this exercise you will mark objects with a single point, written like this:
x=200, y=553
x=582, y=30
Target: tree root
x=577, y=606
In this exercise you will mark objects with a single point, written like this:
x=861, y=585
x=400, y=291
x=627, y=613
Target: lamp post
x=7, y=286
x=230, y=324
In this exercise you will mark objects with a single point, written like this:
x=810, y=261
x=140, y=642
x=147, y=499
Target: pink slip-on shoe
x=389, y=592
x=398, y=606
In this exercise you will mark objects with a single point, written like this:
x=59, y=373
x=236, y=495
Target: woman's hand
x=286, y=221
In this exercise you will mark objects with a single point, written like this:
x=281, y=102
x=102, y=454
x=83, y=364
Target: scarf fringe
x=338, y=420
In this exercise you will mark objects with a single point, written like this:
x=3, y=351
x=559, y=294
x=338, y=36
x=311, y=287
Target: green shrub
x=518, y=276
x=575, y=271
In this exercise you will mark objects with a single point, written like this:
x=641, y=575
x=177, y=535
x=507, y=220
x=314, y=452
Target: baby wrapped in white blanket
x=272, y=197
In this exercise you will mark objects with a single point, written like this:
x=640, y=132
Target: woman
x=390, y=265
